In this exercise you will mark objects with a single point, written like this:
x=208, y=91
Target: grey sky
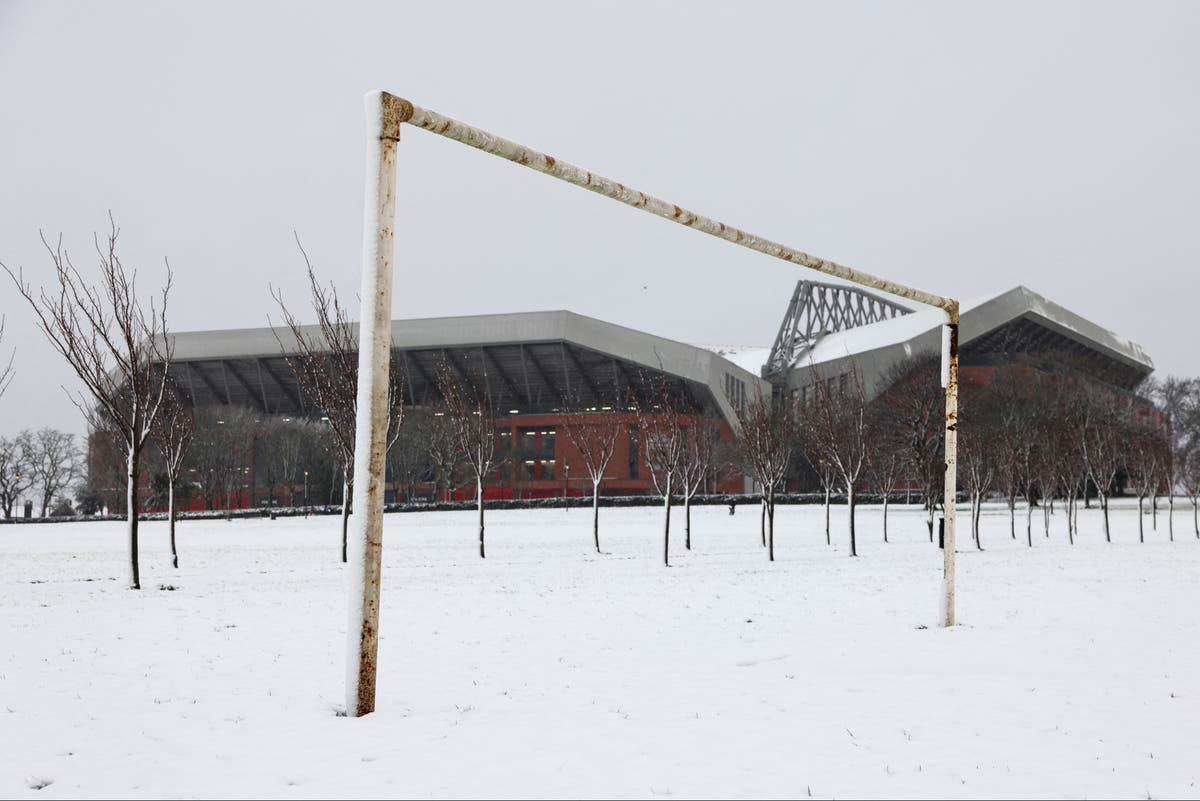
x=959, y=147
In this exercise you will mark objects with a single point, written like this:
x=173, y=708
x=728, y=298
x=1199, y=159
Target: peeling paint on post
x=384, y=115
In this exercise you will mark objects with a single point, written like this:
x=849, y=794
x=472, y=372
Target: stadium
x=539, y=367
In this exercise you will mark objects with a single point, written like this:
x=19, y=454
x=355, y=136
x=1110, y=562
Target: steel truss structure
x=819, y=308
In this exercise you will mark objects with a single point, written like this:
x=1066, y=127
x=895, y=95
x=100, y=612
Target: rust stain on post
x=950, y=500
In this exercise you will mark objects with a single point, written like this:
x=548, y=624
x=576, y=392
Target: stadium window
x=843, y=379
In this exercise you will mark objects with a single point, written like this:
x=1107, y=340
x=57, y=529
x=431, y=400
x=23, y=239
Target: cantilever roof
x=978, y=317
x=495, y=331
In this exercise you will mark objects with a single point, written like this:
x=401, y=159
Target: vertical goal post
x=385, y=115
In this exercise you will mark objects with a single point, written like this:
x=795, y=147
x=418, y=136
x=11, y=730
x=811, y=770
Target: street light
x=306, y=489
x=566, y=481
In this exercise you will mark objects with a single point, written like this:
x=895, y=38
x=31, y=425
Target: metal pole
x=370, y=440
x=950, y=501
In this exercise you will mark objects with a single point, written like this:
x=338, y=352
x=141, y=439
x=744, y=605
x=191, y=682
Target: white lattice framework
x=819, y=308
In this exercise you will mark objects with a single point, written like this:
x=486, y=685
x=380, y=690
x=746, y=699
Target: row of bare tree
x=1031, y=435
x=46, y=462
x=1037, y=434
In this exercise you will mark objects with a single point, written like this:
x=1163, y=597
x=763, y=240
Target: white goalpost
x=385, y=114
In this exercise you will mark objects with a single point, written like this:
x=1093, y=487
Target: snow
x=547, y=670
x=865, y=338
x=750, y=358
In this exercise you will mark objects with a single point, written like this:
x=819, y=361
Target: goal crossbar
x=398, y=110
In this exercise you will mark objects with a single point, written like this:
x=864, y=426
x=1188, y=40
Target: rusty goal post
x=386, y=113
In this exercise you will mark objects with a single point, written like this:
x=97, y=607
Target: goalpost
x=385, y=114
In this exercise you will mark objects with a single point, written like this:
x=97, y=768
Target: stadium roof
x=994, y=329
x=532, y=362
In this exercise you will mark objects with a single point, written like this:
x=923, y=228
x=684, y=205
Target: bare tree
x=1190, y=477
x=172, y=431
x=912, y=406
x=409, y=459
x=826, y=477
x=695, y=462
x=838, y=428
x=977, y=446
x=1148, y=452
x=444, y=452
x=473, y=421
x=884, y=470
x=1176, y=398
x=660, y=414
x=267, y=438
x=1102, y=437
x=6, y=372
x=594, y=436
x=53, y=463
x=293, y=437
x=118, y=348
x=766, y=437
x=325, y=363
x=16, y=471
x=221, y=452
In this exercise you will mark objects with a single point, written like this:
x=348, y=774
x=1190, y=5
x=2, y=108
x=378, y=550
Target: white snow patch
x=549, y=671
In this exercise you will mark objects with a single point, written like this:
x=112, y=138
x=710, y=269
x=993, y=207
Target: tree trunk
x=1154, y=510
x=1069, y=503
x=479, y=498
x=929, y=522
x=762, y=521
x=131, y=507
x=596, y=514
x=687, y=519
x=1072, y=512
x=975, y=502
x=667, y=524
x=885, y=506
x=771, y=525
x=850, y=508
x=1012, y=515
x=978, y=517
x=171, y=519
x=827, y=540
x=1046, y=507
x=345, y=515
x=1141, y=523
x=1171, y=515
x=1029, y=521
x=1195, y=516
x=1104, y=506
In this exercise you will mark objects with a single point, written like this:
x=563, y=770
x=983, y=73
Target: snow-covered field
x=547, y=670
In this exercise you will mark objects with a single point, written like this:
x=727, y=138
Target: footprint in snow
x=37, y=782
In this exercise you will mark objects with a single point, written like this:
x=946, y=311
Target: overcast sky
x=962, y=148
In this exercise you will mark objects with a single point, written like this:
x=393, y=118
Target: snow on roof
x=750, y=358
x=978, y=316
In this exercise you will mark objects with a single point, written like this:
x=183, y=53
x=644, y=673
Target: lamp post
x=566, y=481
x=306, y=489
